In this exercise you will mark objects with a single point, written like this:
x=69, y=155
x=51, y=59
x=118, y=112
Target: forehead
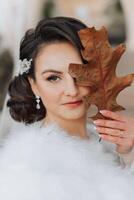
x=57, y=56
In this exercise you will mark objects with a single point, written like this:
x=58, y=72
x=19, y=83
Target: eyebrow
x=51, y=70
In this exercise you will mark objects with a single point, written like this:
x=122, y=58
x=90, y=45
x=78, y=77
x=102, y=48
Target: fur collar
x=38, y=163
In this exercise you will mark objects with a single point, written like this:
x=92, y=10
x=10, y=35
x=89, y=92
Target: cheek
x=50, y=95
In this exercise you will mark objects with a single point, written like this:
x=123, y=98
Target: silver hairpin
x=25, y=65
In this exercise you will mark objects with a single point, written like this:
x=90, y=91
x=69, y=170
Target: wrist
x=127, y=158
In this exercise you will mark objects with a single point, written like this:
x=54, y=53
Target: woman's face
x=59, y=93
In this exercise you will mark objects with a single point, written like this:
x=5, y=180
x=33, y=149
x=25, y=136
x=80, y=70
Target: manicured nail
x=103, y=111
x=96, y=122
x=95, y=128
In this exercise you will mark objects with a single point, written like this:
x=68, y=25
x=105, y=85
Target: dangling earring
x=38, y=102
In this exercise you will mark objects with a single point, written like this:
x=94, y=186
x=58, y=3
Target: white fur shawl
x=49, y=164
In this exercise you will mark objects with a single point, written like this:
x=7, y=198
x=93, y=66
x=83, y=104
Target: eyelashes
x=53, y=78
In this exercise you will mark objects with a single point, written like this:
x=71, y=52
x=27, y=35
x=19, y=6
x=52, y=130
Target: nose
x=71, y=89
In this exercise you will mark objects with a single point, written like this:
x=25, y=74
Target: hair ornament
x=25, y=65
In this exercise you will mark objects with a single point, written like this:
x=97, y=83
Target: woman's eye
x=53, y=78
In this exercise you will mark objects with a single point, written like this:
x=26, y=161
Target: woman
x=58, y=156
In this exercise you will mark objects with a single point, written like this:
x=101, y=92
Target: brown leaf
x=99, y=74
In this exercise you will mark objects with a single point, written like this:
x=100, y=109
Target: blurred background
x=19, y=15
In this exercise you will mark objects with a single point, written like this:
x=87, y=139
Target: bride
x=55, y=153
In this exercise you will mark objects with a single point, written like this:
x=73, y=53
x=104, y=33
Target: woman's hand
x=117, y=129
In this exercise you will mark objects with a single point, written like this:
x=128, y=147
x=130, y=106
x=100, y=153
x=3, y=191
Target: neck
x=75, y=127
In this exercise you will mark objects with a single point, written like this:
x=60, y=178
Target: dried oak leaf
x=99, y=74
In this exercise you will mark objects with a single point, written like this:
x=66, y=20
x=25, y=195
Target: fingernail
x=95, y=127
x=98, y=129
x=96, y=122
x=103, y=111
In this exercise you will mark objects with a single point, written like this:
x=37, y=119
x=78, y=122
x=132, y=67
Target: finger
x=112, y=115
x=113, y=139
x=111, y=124
x=126, y=143
x=109, y=131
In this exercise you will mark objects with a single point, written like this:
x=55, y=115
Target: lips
x=73, y=102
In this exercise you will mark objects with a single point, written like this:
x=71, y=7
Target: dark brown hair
x=22, y=102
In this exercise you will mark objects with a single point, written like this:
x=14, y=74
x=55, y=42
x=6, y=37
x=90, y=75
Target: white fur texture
x=49, y=164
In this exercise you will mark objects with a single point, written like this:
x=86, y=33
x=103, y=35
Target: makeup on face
x=62, y=98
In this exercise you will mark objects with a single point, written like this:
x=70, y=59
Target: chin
x=70, y=115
